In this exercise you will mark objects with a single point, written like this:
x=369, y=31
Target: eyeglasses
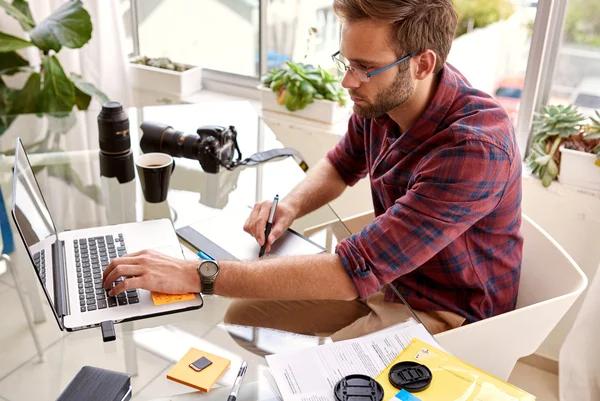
x=343, y=65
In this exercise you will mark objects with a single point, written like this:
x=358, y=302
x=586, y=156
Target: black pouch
x=95, y=384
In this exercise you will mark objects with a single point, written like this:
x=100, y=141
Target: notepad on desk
x=203, y=380
x=223, y=238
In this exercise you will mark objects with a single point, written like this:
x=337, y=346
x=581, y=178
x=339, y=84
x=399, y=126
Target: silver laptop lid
x=34, y=223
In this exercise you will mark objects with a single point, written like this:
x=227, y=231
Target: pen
x=204, y=256
x=269, y=225
x=238, y=382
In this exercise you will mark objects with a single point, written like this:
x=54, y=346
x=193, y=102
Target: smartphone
x=200, y=364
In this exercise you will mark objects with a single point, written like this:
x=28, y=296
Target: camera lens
x=116, y=158
x=163, y=138
x=113, y=129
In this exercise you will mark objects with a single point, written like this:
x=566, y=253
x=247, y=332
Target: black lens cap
x=410, y=376
x=358, y=388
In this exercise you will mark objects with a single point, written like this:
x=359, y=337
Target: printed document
x=311, y=374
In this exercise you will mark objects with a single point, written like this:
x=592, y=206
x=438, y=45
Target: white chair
x=550, y=283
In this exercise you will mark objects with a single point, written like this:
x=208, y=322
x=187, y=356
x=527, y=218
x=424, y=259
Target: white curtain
x=579, y=360
x=102, y=61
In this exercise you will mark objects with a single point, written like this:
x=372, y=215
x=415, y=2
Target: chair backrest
x=547, y=271
x=550, y=282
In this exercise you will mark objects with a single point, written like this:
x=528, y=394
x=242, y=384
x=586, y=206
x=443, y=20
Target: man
x=445, y=175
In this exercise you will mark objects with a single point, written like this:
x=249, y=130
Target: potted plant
x=161, y=75
x=305, y=91
x=567, y=145
x=47, y=89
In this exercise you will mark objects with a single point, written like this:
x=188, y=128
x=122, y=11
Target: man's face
x=365, y=44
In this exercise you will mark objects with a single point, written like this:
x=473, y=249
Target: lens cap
x=112, y=107
x=410, y=376
x=358, y=388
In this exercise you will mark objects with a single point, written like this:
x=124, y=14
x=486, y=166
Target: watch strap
x=207, y=285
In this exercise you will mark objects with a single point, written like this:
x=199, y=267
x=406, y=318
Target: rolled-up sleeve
x=451, y=190
x=348, y=156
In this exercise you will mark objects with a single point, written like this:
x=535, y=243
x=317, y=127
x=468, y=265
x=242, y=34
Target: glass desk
x=65, y=155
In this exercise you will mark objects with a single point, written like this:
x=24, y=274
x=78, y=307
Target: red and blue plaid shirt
x=447, y=200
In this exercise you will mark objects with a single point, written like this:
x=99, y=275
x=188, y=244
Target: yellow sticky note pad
x=160, y=298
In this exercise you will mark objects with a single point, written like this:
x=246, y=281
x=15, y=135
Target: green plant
x=593, y=133
x=48, y=89
x=481, y=12
x=556, y=126
x=161, y=62
x=299, y=85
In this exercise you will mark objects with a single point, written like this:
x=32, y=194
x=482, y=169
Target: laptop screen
x=33, y=220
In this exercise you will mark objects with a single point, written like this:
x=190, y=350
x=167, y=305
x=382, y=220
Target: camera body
x=213, y=146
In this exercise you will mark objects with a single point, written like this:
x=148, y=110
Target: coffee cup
x=154, y=171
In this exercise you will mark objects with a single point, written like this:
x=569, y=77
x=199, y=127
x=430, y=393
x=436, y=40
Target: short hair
x=417, y=25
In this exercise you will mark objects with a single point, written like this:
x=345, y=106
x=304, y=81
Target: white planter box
x=324, y=111
x=166, y=81
x=579, y=169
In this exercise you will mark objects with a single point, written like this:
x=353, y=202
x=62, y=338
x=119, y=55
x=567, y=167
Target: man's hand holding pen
x=256, y=224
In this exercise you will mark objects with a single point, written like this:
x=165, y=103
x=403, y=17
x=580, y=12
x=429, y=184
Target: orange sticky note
x=203, y=380
x=160, y=298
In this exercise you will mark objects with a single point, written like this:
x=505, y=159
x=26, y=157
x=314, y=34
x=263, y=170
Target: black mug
x=154, y=170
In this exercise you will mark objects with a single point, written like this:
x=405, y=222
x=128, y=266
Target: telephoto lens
x=117, y=169
x=116, y=158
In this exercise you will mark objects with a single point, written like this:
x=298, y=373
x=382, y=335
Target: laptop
x=69, y=264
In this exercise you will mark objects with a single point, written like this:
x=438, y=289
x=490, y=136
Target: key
x=122, y=301
x=83, y=308
x=101, y=304
x=112, y=301
x=91, y=308
x=134, y=300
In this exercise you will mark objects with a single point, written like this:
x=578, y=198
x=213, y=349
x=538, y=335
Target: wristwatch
x=208, y=271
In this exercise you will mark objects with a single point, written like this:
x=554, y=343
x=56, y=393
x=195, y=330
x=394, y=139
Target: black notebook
x=95, y=384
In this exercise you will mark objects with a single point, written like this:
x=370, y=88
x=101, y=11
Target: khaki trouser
x=341, y=320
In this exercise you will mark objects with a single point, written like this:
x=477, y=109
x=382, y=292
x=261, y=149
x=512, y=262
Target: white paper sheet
x=310, y=374
x=226, y=229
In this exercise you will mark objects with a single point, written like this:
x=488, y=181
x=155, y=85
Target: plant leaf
x=5, y=120
x=21, y=5
x=11, y=60
x=20, y=12
x=82, y=99
x=88, y=89
x=26, y=100
x=68, y=26
x=9, y=43
x=58, y=93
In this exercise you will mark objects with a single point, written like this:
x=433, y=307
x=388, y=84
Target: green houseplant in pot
x=561, y=132
x=48, y=88
x=304, y=90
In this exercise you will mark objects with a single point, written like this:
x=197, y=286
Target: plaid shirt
x=447, y=200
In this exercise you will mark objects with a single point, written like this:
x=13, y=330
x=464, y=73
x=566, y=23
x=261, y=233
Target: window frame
x=539, y=73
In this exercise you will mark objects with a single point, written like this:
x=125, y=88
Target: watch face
x=208, y=268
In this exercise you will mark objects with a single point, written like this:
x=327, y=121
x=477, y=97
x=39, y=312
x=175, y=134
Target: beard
x=388, y=99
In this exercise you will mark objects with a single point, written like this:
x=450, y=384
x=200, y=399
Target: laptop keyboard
x=92, y=256
x=39, y=259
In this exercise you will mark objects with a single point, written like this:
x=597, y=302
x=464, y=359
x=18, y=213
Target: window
x=576, y=77
x=215, y=34
x=492, y=47
x=305, y=31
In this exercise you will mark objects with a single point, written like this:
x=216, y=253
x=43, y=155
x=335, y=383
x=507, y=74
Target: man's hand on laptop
x=152, y=271
x=257, y=221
